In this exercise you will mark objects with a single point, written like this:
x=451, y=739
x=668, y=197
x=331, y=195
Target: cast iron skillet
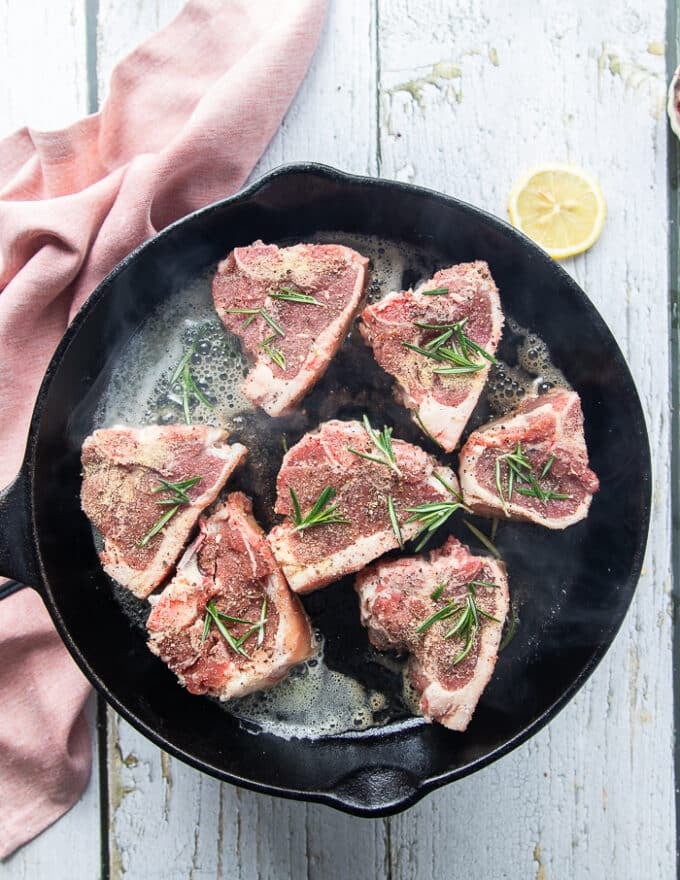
x=574, y=587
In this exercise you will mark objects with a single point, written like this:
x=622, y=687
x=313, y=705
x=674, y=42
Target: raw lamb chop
x=531, y=464
x=291, y=308
x=439, y=610
x=133, y=478
x=359, y=494
x=227, y=624
x=452, y=323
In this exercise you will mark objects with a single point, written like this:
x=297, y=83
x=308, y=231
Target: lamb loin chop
x=447, y=612
x=227, y=624
x=291, y=308
x=144, y=489
x=348, y=491
x=531, y=464
x=438, y=342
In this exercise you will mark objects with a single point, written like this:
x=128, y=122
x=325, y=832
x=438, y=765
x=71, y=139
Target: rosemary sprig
x=482, y=538
x=467, y=626
x=178, y=489
x=295, y=296
x=436, y=291
x=441, y=614
x=392, y=513
x=253, y=313
x=457, y=354
x=189, y=387
x=435, y=344
x=467, y=623
x=274, y=354
x=382, y=440
x=544, y=495
x=208, y=622
x=434, y=514
x=321, y=514
x=521, y=478
x=213, y=615
x=223, y=631
x=176, y=500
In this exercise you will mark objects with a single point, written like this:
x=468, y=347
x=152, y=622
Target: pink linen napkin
x=189, y=113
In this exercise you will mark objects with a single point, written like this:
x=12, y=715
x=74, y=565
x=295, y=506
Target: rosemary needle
x=432, y=515
x=295, y=296
x=274, y=354
x=392, y=513
x=158, y=525
x=436, y=593
x=490, y=546
x=382, y=440
x=189, y=387
x=421, y=425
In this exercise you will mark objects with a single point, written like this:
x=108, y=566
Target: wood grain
x=46, y=88
x=43, y=64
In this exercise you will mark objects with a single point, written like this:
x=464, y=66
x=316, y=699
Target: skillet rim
x=427, y=784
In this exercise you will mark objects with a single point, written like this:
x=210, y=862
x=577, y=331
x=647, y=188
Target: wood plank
x=332, y=118
x=163, y=812
x=43, y=64
x=472, y=95
x=121, y=26
x=48, y=95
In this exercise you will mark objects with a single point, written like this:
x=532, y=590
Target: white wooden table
x=460, y=96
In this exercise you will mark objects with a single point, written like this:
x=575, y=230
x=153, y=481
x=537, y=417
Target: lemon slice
x=560, y=207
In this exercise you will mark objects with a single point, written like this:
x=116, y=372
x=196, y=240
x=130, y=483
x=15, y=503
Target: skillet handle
x=376, y=791
x=17, y=555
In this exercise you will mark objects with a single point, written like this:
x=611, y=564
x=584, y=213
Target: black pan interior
x=573, y=587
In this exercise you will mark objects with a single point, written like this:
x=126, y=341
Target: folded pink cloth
x=188, y=115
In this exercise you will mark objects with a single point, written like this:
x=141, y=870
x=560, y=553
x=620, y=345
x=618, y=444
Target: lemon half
x=560, y=207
